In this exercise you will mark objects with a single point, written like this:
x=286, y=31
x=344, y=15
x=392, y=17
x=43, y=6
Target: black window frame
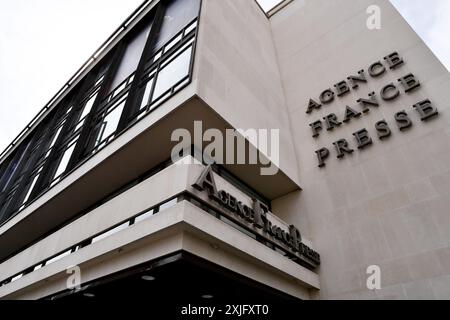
x=46, y=157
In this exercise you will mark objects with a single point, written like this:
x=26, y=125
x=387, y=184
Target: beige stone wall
x=387, y=205
x=238, y=74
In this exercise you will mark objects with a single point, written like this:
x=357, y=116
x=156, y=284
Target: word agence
x=389, y=92
x=257, y=217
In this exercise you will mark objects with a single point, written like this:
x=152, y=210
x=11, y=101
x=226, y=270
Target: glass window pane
x=168, y=205
x=172, y=73
x=55, y=137
x=79, y=125
x=62, y=255
x=190, y=28
x=148, y=90
x=88, y=106
x=70, y=109
x=3, y=208
x=172, y=43
x=9, y=174
x=65, y=161
x=132, y=55
x=144, y=216
x=17, y=277
x=111, y=121
x=178, y=15
x=111, y=232
x=37, y=267
x=30, y=188
x=119, y=89
x=99, y=80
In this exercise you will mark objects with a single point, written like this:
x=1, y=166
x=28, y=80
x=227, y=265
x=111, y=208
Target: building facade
x=93, y=203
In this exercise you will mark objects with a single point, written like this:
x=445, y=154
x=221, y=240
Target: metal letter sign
x=387, y=93
x=256, y=217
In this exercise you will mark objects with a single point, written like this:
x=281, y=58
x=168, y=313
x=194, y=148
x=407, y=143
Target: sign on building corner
x=256, y=217
x=388, y=93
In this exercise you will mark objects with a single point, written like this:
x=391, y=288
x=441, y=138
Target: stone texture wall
x=238, y=74
x=386, y=205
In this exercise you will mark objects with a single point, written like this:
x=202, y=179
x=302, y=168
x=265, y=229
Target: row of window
x=148, y=66
x=194, y=152
x=146, y=215
x=141, y=217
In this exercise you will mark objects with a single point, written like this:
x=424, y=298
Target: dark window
x=107, y=123
x=169, y=69
x=136, y=75
x=11, y=172
x=30, y=187
x=172, y=72
x=178, y=14
x=133, y=52
x=5, y=205
x=65, y=156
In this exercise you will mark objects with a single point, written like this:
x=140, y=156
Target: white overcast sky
x=42, y=43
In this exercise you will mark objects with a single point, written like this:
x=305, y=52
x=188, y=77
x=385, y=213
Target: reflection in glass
x=111, y=232
x=132, y=55
x=88, y=106
x=190, y=28
x=31, y=187
x=144, y=216
x=172, y=73
x=59, y=257
x=65, y=161
x=148, y=91
x=172, y=43
x=110, y=123
x=5, y=206
x=9, y=174
x=178, y=14
x=120, y=88
x=55, y=138
x=168, y=205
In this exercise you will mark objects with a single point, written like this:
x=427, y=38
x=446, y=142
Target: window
x=89, y=117
x=148, y=91
x=168, y=204
x=109, y=122
x=144, y=216
x=88, y=107
x=178, y=14
x=112, y=121
x=54, y=139
x=10, y=173
x=133, y=52
x=30, y=187
x=5, y=205
x=62, y=167
x=172, y=73
x=111, y=232
x=59, y=257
